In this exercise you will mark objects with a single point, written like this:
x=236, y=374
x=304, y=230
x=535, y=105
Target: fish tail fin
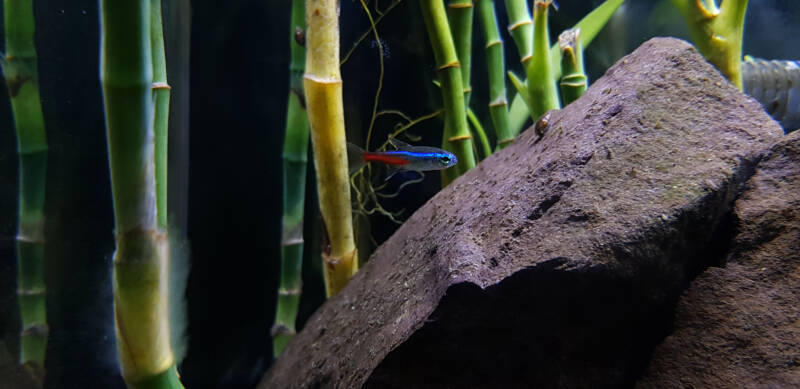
x=355, y=158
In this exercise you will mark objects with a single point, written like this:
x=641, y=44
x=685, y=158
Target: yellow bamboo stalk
x=323, y=88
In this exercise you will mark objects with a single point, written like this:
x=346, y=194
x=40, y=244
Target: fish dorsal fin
x=400, y=144
x=355, y=158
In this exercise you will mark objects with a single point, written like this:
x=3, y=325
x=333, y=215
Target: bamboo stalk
x=495, y=61
x=456, y=137
x=459, y=16
x=161, y=96
x=541, y=83
x=717, y=33
x=22, y=80
x=574, y=81
x=590, y=26
x=323, y=88
x=141, y=256
x=295, y=155
x=520, y=26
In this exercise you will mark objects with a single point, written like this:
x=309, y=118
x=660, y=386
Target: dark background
x=225, y=173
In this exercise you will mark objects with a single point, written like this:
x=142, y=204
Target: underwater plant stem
x=574, y=81
x=541, y=83
x=456, y=138
x=22, y=80
x=590, y=26
x=161, y=96
x=141, y=256
x=478, y=128
x=323, y=90
x=295, y=160
x=460, y=16
x=717, y=33
x=520, y=26
x=496, y=67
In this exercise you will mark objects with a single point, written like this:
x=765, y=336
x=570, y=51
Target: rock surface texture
x=739, y=326
x=558, y=261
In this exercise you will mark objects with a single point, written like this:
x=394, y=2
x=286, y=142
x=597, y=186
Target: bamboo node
x=293, y=241
x=519, y=24
x=459, y=5
x=454, y=64
x=505, y=141
x=289, y=291
x=498, y=103
x=161, y=85
x=526, y=58
x=31, y=292
x=330, y=260
x=467, y=90
x=459, y=137
x=138, y=245
x=31, y=231
x=281, y=329
x=494, y=42
x=571, y=83
x=322, y=80
x=36, y=330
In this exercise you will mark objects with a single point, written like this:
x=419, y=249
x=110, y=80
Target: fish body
x=406, y=157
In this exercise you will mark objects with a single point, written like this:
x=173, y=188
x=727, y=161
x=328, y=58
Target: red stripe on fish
x=387, y=159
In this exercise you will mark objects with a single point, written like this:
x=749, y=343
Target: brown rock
x=557, y=261
x=739, y=325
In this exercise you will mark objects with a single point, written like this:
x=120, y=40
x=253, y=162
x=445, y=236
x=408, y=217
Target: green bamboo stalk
x=141, y=257
x=520, y=26
x=322, y=84
x=456, y=137
x=295, y=151
x=459, y=16
x=478, y=128
x=541, y=83
x=574, y=81
x=717, y=33
x=495, y=61
x=22, y=80
x=590, y=26
x=161, y=96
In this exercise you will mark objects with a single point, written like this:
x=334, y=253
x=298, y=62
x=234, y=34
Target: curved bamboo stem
x=478, y=129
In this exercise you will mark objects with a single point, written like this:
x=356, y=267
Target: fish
x=405, y=158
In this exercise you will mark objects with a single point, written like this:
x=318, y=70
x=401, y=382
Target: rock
x=739, y=325
x=556, y=262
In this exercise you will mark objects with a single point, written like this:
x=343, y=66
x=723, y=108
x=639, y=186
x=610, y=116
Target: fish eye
x=445, y=159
